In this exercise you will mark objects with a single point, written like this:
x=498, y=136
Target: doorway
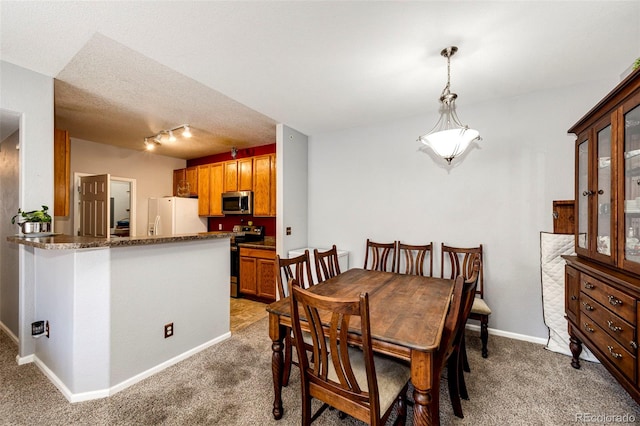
x=122, y=205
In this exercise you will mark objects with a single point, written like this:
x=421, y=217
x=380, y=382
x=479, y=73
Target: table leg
x=426, y=393
x=277, y=333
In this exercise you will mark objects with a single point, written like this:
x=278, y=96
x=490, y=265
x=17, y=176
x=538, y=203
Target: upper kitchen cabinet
x=264, y=185
x=238, y=175
x=210, y=188
x=61, y=172
x=607, y=179
x=185, y=182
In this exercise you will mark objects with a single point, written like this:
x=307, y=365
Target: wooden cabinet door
x=61, y=172
x=191, y=176
x=245, y=174
x=248, y=283
x=204, y=179
x=266, y=278
x=216, y=188
x=179, y=175
x=230, y=176
x=572, y=293
x=264, y=186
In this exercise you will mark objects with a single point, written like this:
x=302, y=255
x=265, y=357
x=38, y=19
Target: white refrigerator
x=175, y=215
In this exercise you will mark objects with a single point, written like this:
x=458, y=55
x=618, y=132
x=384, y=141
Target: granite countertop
x=267, y=244
x=69, y=242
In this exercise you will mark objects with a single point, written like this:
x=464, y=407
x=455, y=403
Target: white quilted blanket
x=552, y=246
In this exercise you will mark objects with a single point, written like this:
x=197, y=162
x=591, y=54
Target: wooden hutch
x=602, y=283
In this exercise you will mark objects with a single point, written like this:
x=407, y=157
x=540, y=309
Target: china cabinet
x=602, y=282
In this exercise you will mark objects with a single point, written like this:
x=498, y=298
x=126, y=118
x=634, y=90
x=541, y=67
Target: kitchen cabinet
x=257, y=273
x=264, y=185
x=602, y=284
x=61, y=172
x=210, y=188
x=188, y=176
x=238, y=175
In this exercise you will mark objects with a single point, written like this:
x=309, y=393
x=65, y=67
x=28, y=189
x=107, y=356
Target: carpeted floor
x=230, y=384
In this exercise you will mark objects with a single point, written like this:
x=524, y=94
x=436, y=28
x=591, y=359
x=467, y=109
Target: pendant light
x=449, y=138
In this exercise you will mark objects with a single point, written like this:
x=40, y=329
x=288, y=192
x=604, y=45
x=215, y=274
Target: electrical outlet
x=168, y=330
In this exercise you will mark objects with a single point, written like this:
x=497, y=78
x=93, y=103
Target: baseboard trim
x=8, y=332
x=103, y=393
x=510, y=335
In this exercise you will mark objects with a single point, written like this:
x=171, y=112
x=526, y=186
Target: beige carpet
x=230, y=384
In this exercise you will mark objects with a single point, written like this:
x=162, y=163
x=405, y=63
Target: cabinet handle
x=587, y=306
x=587, y=193
x=614, y=301
x=588, y=285
x=633, y=344
x=613, y=328
x=574, y=298
x=588, y=328
x=616, y=355
x=600, y=191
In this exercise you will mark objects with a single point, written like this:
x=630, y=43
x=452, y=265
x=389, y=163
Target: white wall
x=375, y=182
x=292, y=188
x=153, y=174
x=31, y=95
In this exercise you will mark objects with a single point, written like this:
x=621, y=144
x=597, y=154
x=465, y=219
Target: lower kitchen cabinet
x=257, y=274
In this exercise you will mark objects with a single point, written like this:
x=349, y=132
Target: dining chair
x=460, y=261
x=327, y=265
x=378, y=255
x=299, y=268
x=350, y=379
x=412, y=259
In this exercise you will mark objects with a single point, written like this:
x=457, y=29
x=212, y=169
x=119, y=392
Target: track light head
x=187, y=132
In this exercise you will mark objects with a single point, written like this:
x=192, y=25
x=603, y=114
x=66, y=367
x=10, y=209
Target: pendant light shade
x=449, y=138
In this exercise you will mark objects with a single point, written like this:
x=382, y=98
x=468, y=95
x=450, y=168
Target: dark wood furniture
x=411, y=259
x=563, y=217
x=378, y=255
x=298, y=268
x=327, y=265
x=352, y=380
x=416, y=307
x=458, y=261
x=602, y=283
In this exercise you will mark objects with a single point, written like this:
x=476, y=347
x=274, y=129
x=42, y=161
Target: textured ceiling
x=314, y=66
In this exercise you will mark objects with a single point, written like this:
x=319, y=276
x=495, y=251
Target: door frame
x=132, y=201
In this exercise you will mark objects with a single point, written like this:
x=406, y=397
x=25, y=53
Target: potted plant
x=34, y=221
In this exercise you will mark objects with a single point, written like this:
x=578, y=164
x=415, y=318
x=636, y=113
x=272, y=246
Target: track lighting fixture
x=150, y=142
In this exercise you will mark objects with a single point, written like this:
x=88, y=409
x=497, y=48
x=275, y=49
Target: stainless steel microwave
x=237, y=202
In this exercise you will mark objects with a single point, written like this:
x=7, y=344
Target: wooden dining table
x=407, y=314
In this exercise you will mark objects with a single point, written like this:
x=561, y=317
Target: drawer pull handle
x=574, y=298
x=616, y=355
x=588, y=285
x=615, y=301
x=588, y=328
x=614, y=328
x=587, y=306
x=633, y=344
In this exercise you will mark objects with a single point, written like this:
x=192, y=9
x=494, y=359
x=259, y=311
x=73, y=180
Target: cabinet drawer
x=616, y=301
x=609, y=347
x=258, y=253
x=615, y=326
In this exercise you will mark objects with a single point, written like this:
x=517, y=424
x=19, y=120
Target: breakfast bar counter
x=108, y=303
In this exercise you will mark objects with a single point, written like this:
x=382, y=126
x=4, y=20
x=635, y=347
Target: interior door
x=94, y=206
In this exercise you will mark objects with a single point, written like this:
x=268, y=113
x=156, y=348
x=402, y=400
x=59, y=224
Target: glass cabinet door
x=582, y=197
x=631, y=125
x=602, y=193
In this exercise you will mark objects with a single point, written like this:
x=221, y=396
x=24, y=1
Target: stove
x=246, y=234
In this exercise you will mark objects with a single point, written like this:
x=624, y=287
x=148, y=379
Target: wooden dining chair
x=298, y=268
x=460, y=261
x=327, y=265
x=412, y=259
x=378, y=255
x=351, y=379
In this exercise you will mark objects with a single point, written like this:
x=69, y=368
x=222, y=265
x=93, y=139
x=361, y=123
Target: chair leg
x=463, y=353
x=401, y=419
x=462, y=386
x=288, y=359
x=453, y=380
x=484, y=335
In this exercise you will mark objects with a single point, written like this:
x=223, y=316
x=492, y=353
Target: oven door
x=235, y=271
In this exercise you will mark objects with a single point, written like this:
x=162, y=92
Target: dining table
x=407, y=315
